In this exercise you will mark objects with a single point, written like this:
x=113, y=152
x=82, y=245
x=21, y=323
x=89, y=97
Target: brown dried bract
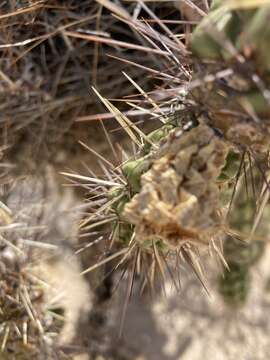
x=179, y=199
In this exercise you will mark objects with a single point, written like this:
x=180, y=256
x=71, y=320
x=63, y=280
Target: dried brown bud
x=179, y=198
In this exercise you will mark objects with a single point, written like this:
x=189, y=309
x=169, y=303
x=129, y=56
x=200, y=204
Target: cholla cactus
x=231, y=41
x=247, y=224
x=235, y=34
x=168, y=201
x=171, y=194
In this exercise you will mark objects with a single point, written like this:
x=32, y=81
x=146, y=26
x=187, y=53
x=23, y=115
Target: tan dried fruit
x=179, y=198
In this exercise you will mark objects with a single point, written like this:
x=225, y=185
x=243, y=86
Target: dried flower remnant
x=179, y=198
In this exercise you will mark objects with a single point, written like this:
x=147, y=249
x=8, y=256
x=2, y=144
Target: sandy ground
x=189, y=325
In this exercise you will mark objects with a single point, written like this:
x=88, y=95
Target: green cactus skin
x=243, y=254
x=123, y=232
x=231, y=167
x=123, y=198
x=156, y=136
x=203, y=43
x=132, y=171
x=234, y=285
x=247, y=30
x=256, y=35
x=256, y=100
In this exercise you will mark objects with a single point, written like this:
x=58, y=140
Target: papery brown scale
x=179, y=198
